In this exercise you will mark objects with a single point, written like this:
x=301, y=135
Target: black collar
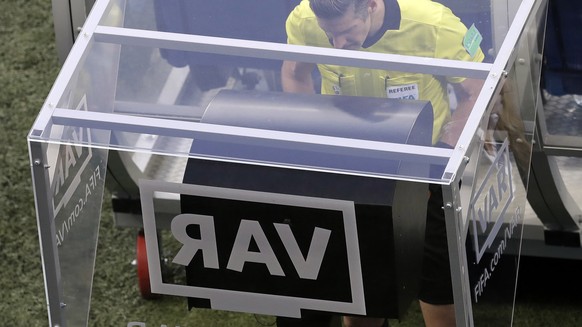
x=391, y=22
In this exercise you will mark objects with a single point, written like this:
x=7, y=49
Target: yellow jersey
x=411, y=27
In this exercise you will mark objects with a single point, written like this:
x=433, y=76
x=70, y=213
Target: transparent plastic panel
x=480, y=15
x=309, y=251
x=93, y=80
x=265, y=21
x=91, y=88
x=495, y=213
x=115, y=13
x=497, y=182
x=238, y=109
x=77, y=184
x=249, y=20
x=77, y=236
x=176, y=76
x=503, y=13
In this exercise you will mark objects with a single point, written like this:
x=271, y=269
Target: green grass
x=28, y=67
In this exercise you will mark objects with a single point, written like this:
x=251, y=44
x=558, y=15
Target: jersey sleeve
x=450, y=42
x=302, y=27
x=294, y=26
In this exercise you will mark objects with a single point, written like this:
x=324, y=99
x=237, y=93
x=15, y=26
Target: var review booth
x=275, y=203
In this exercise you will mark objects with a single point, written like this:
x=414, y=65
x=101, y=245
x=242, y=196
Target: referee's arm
x=296, y=77
x=467, y=92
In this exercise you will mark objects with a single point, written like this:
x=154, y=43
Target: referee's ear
x=372, y=6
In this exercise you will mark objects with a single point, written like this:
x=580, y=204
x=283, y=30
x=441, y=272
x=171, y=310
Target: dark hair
x=329, y=9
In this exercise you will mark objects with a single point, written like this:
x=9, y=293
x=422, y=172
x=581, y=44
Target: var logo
x=68, y=161
x=490, y=202
x=258, y=252
x=249, y=231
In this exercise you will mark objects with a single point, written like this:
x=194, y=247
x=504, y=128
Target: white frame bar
x=280, y=51
x=194, y=130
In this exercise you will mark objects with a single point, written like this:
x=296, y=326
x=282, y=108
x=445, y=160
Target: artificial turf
x=28, y=66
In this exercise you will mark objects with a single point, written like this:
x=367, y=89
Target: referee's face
x=348, y=31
